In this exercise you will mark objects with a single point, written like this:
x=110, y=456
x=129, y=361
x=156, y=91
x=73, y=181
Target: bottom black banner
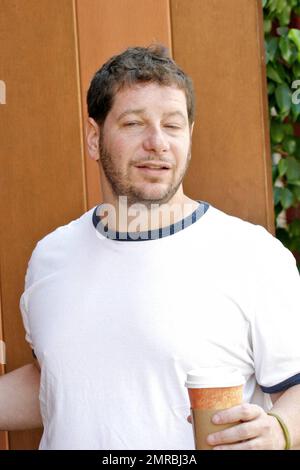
x=134, y=459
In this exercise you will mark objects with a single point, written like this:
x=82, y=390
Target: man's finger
x=189, y=419
x=252, y=444
x=238, y=433
x=244, y=412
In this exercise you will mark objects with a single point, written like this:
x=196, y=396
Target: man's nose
x=156, y=141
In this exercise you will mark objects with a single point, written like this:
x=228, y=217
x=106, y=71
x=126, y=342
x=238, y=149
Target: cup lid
x=214, y=377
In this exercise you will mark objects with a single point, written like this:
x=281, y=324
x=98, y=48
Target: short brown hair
x=136, y=65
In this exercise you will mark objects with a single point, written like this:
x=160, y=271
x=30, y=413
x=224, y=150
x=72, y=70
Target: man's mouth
x=154, y=167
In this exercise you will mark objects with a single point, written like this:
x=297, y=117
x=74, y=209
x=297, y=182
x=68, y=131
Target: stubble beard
x=121, y=186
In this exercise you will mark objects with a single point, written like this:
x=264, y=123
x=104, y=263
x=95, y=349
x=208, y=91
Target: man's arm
x=287, y=406
x=275, y=396
x=19, y=399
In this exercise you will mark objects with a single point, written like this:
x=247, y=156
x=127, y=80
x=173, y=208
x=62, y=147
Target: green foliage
x=282, y=47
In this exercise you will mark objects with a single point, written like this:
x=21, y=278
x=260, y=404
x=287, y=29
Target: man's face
x=145, y=143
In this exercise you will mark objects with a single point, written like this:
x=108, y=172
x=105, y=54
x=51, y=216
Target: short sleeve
x=23, y=304
x=276, y=324
x=24, y=314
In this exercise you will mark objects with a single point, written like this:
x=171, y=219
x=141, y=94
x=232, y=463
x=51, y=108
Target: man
x=119, y=304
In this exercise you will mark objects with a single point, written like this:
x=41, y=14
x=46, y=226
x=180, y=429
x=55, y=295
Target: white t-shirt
x=116, y=325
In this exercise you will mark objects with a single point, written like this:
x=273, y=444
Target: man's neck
x=121, y=217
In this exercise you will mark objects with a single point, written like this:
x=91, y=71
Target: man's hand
x=255, y=430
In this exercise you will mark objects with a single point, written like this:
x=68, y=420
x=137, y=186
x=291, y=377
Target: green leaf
x=281, y=5
x=294, y=3
x=273, y=74
x=294, y=184
x=294, y=35
x=272, y=5
x=296, y=192
x=277, y=5
x=283, y=97
x=286, y=48
x=296, y=69
x=297, y=153
x=295, y=110
x=294, y=228
x=277, y=195
x=264, y=2
x=288, y=129
x=289, y=144
x=282, y=166
x=267, y=25
x=283, y=71
x=293, y=169
x=277, y=132
x=271, y=88
x=267, y=57
x=285, y=16
x=271, y=45
x=286, y=198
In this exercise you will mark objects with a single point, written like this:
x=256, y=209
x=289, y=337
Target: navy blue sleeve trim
x=295, y=380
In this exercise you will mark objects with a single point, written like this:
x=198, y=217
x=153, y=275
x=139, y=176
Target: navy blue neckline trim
x=295, y=380
x=151, y=234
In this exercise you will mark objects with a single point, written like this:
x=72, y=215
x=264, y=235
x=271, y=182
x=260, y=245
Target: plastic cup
x=212, y=390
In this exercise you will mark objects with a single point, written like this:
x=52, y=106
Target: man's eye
x=131, y=124
x=172, y=126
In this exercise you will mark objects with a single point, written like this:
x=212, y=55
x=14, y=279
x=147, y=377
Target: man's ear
x=192, y=128
x=92, y=134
